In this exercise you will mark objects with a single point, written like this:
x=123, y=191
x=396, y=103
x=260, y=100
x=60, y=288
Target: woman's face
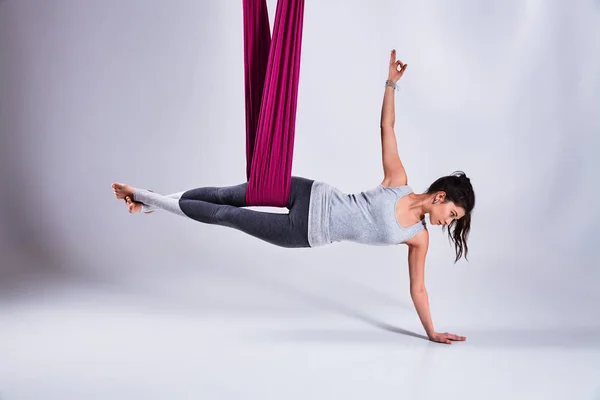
x=443, y=213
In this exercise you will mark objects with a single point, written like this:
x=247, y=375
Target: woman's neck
x=419, y=204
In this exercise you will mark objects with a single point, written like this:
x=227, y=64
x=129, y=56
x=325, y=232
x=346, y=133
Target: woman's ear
x=440, y=197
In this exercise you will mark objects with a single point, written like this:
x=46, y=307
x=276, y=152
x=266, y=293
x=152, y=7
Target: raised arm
x=417, y=251
x=393, y=170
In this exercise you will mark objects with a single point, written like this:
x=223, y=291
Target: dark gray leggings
x=223, y=206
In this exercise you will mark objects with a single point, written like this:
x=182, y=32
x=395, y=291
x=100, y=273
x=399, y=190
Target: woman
x=319, y=213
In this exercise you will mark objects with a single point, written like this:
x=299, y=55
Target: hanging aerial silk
x=271, y=76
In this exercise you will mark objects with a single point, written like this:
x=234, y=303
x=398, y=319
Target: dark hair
x=458, y=190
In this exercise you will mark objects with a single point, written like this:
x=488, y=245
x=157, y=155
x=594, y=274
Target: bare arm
x=393, y=170
x=417, y=251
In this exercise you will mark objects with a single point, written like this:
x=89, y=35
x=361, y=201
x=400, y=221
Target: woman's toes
x=116, y=189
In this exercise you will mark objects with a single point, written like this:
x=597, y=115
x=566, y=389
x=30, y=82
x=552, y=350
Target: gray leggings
x=224, y=206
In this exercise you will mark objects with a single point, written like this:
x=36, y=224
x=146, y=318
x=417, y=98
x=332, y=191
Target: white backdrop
x=150, y=93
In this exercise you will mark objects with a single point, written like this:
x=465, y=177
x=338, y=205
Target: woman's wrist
x=391, y=83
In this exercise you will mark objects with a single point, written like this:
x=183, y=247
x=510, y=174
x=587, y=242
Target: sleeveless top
x=368, y=217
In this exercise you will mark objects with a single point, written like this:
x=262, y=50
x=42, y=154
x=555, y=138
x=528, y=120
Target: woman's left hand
x=396, y=74
x=445, y=337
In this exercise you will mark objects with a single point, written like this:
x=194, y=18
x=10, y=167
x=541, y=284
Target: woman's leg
x=230, y=195
x=148, y=208
x=286, y=230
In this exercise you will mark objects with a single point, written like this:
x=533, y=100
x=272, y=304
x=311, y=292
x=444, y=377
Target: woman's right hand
x=395, y=74
x=445, y=337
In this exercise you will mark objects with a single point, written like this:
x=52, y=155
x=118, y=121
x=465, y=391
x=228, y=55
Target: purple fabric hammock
x=271, y=75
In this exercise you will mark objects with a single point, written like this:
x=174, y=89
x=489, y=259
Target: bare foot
x=122, y=190
x=125, y=192
x=133, y=206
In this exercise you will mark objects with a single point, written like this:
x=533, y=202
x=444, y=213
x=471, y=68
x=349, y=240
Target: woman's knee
x=224, y=215
x=232, y=195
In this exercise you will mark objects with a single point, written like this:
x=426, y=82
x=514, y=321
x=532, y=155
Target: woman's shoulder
x=421, y=239
x=394, y=187
x=404, y=189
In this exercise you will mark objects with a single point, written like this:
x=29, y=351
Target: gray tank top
x=368, y=217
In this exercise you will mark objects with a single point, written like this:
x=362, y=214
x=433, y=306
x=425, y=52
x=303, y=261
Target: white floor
x=270, y=334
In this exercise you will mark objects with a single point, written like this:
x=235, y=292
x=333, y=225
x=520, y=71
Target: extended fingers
x=448, y=338
x=452, y=336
